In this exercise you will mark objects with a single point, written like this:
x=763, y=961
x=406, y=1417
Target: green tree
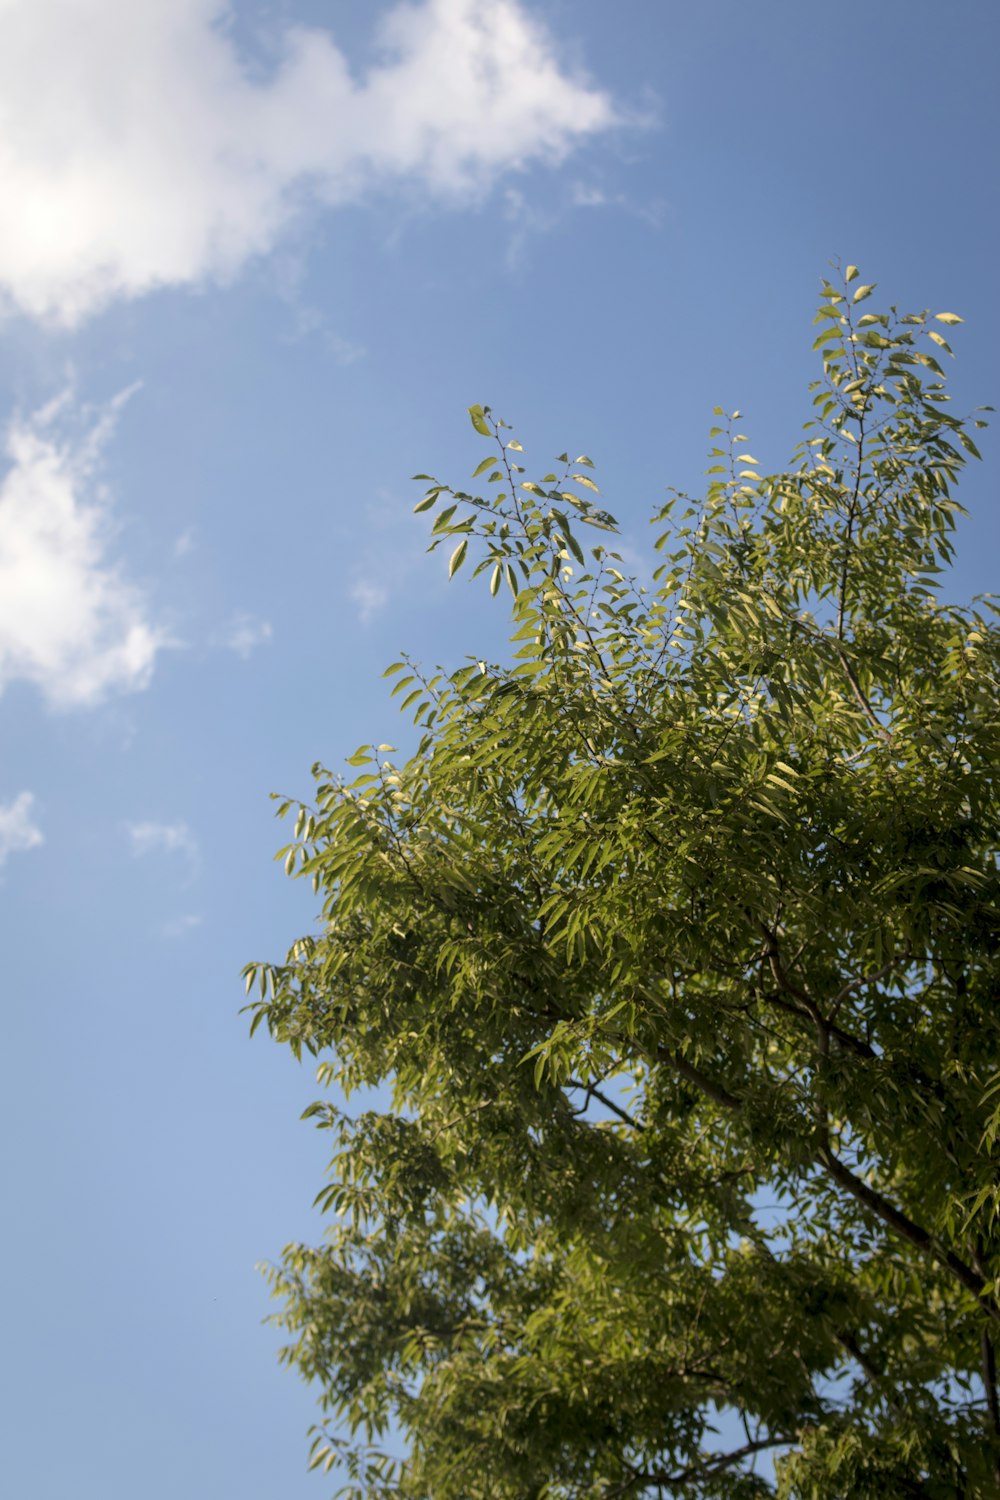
x=674, y=948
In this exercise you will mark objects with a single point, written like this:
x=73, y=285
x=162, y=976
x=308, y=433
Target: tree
x=674, y=950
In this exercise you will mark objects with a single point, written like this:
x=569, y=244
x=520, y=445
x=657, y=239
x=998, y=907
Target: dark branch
x=894, y=1217
x=843, y=1039
x=701, y=1081
x=907, y=1227
x=710, y=1466
x=856, y=687
x=593, y=1092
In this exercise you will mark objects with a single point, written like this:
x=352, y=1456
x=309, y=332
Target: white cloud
x=288, y=271
x=136, y=151
x=178, y=927
x=370, y=597
x=244, y=634
x=69, y=621
x=151, y=838
x=162, y=838
x=526, y=221
x=17, y=831
x=585, y=195
x=344, y=351
x=185, y=543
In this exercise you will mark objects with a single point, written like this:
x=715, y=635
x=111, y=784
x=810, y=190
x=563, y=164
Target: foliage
x=675, y=946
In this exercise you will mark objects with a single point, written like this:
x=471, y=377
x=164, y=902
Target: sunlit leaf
x=457, y=557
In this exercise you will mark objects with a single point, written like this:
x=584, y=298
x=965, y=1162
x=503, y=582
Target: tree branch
x=990, y=1387
x=852, y=513
x=710, y=1467
x=875, y=1379
x=863, y=979
x=988, y=1365
x=701, y=1081
x=907, y=1227
x=869, y=712
x=837, y=1034
x=592, y=1091
x=894, y=1217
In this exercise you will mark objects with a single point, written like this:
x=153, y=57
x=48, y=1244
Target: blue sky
x=255, y=261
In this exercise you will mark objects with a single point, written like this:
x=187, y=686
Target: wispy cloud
x=531, y=216
x=586, y=195
x=370, y=597
x=178, y=927
x=244, y=633
x=138, y=152
x=18, y=831
x=163, y=838
x=527, y=220
x=185, y=543
x=343, y=351
x=70, y=622
x=288, y=268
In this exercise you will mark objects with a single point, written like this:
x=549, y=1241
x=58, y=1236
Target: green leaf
x=949, y=318
x=442, y=523
x=864, y=291
x=478, y=419
x=574, y=546
x=457, y=557
x=487, y=463
x=851, y=273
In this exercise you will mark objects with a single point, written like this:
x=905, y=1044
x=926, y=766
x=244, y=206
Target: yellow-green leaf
x=457, y=557
x=950, y=318
x=478, y=418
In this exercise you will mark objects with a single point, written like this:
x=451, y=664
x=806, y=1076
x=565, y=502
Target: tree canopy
x=671, y=955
